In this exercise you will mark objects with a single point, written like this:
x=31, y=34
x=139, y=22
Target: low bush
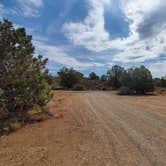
x=79, y=87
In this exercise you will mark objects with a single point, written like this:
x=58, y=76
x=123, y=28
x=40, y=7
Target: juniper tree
x=22, y=75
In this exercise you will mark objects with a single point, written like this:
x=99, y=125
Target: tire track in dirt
x=125, y=119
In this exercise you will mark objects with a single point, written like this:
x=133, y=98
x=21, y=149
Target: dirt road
x=98, y=129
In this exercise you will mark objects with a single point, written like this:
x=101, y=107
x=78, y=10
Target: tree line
x=134, y=80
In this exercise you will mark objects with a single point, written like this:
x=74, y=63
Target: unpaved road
x=98, y=129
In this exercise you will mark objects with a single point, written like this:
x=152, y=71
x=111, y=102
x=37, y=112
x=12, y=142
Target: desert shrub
x=22, y=75
x=79, y=87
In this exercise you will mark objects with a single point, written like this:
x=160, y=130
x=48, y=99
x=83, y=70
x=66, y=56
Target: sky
x=94, y=35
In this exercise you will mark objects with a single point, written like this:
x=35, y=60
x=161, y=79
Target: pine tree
x=22, y=75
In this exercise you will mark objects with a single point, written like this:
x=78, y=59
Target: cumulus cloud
x=147, y=30
x=59, y=55
x=145, y=42
x=154, y=23
x=90, y=33
x=147, y=37
x=158, y=68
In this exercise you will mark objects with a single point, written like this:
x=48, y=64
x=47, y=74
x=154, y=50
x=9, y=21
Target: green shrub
x=138, y=79
x=69, y=77
x=79, y=87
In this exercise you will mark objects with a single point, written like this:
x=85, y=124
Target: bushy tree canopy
x=93, y=76
x=22, y=75
x=138, y=80
x=69, y=77
x=160, y=82
x=114, y=76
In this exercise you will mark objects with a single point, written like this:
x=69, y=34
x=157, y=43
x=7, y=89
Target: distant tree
x=163, y=82
x=53, y=82
x=22, y=75
x=160, y=82
x=104, y=78
x=50, y=79
x=69, y=77
x=94, y=81
x=114, y=76
x=139, y=80
x=157, y=82
x=104, y=82
x=93, y=76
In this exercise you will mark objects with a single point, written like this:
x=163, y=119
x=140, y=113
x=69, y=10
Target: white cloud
x=92, y=35
x=36, y=3
x=30, y=7
x=5, y=11
x=146, y=40
x=58, y=55
x=136, y=48
x=158, y=68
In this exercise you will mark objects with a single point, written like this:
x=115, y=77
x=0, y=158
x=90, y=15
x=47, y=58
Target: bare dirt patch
x=92, y=129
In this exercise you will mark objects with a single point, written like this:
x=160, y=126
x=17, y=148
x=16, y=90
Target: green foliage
x=114, y=76
x=22, y=76
x=79, y=87
x=69, y=77
x=139, y=80
x=53, y=82
x=104, y=78
x=93, y=76
x=105, y=82
x=131, y=81
x=160, y=82
x=94, y=82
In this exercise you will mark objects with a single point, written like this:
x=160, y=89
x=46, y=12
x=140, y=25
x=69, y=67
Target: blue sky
x=93, y=35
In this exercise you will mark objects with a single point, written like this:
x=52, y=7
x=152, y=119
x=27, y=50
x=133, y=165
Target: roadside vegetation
x=23, y=83
x=131, y=81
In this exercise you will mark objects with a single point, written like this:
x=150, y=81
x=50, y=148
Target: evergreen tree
x=22, y=75
x=114, y=76
x=69, y=77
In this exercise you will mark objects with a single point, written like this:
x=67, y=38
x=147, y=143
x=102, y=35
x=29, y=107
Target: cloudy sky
x=92, y=35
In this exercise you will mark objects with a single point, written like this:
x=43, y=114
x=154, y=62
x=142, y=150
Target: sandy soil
x=95, y=129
